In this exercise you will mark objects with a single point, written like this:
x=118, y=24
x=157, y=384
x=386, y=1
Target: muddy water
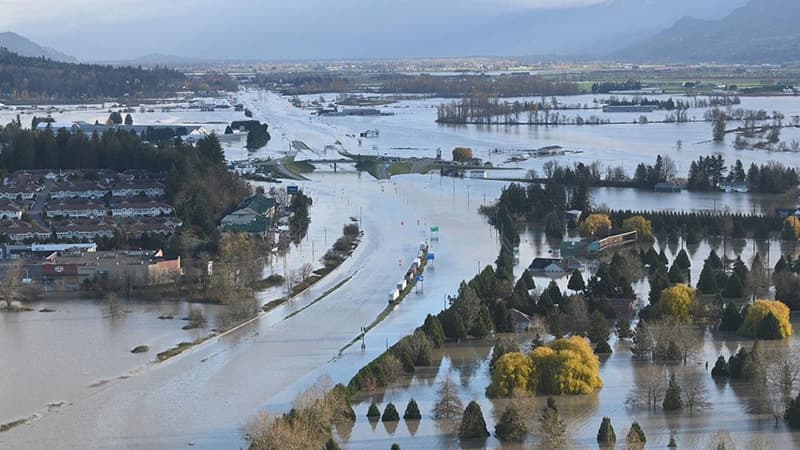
x=54, y=357
x=467, y=364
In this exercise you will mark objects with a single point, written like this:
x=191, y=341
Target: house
x=476, y=174
x=75, y=209
x=667, y=187
x=83, y=230
x=19, y=231
x=10, y=210
x=572, y=216
x=69, y=189
x=131, y=268
x=255, y=215
x=17, y=192
x=734, y=186
x=786, y=212
x=547, y=265
x=522, y=321
x=147, y=208
x=136, y=188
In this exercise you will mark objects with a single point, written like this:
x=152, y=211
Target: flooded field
x=468, y=365
x=114, y=399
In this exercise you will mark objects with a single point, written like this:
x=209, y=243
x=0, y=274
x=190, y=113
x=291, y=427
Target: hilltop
x=25, y=47
x=762, y=31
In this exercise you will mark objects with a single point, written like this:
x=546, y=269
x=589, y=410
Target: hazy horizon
x=349, y=29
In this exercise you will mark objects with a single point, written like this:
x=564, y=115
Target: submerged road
x=203, y=397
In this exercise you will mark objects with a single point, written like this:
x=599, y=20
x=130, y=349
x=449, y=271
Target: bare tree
x=650, y=391
x=448, y=406
x=306, y=270
x=721, y=440
x=695, y=394
x=783, y=371
x=10, y=284
x=687, y=340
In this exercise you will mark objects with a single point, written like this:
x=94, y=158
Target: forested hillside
x=32, y=80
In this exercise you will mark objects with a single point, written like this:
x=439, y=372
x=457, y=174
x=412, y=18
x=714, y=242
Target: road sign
x=420, y=278
x=434, y=229
x=431, y=256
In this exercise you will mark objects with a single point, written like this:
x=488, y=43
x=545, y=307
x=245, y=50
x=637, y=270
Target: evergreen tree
x=682, y=260
x=707, y=282
x=792, y=414
x=128, y=120
x=606, y=435
x=373, y=413
x=658, y=282
x=731, y=318
x=643, y=342
x=576, y=282
x=551, y=427
x=769, y=328
x=672, y=397
x=676, y=274
x=733, y=287
x=473, y=426
x=390, y=414
x=624, y=329
x=636, y=436
x=511, y=427
x=433, y=329
x=720, y=369
x=412, y=411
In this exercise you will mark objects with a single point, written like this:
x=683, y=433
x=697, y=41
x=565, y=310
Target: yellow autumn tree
x=462, y=154
x=759, y=311
x=642, y=227
x=678, y=301
x=513, y=371
x=567, y=366
x=595, y=225
x=791, y=228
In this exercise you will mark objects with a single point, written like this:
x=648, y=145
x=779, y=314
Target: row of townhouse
x=10, y=210
x=94, y=190
x=18, y=192
x=124, y=208
x=87, y=229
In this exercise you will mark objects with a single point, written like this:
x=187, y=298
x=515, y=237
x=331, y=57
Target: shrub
x=390, y=414
x=602, y=348
x=606, y=435
x=792, y=414
x=412, y=411
x=636, y=435
x=373, y=413
x=731, y=318
x=759, y=311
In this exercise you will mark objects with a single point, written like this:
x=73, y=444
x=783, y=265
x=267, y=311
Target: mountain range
x=25, y=47
x=762, y=31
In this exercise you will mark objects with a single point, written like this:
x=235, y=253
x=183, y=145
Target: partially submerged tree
x=473, y=425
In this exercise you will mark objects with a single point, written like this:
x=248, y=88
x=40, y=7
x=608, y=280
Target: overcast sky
x=307, y=29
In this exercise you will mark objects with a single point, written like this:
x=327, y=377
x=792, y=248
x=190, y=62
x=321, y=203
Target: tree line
x=28, y=79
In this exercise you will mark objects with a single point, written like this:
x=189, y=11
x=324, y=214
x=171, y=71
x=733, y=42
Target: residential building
x=68, y=189
x=125, y=268
x=10, y=210
x=75, y=209
x=83, y=229
x=139, y=208
x=19, y=231
x=255, y=215
x=547, y=265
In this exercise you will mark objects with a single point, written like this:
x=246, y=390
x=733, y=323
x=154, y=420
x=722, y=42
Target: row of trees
x=27, y=79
